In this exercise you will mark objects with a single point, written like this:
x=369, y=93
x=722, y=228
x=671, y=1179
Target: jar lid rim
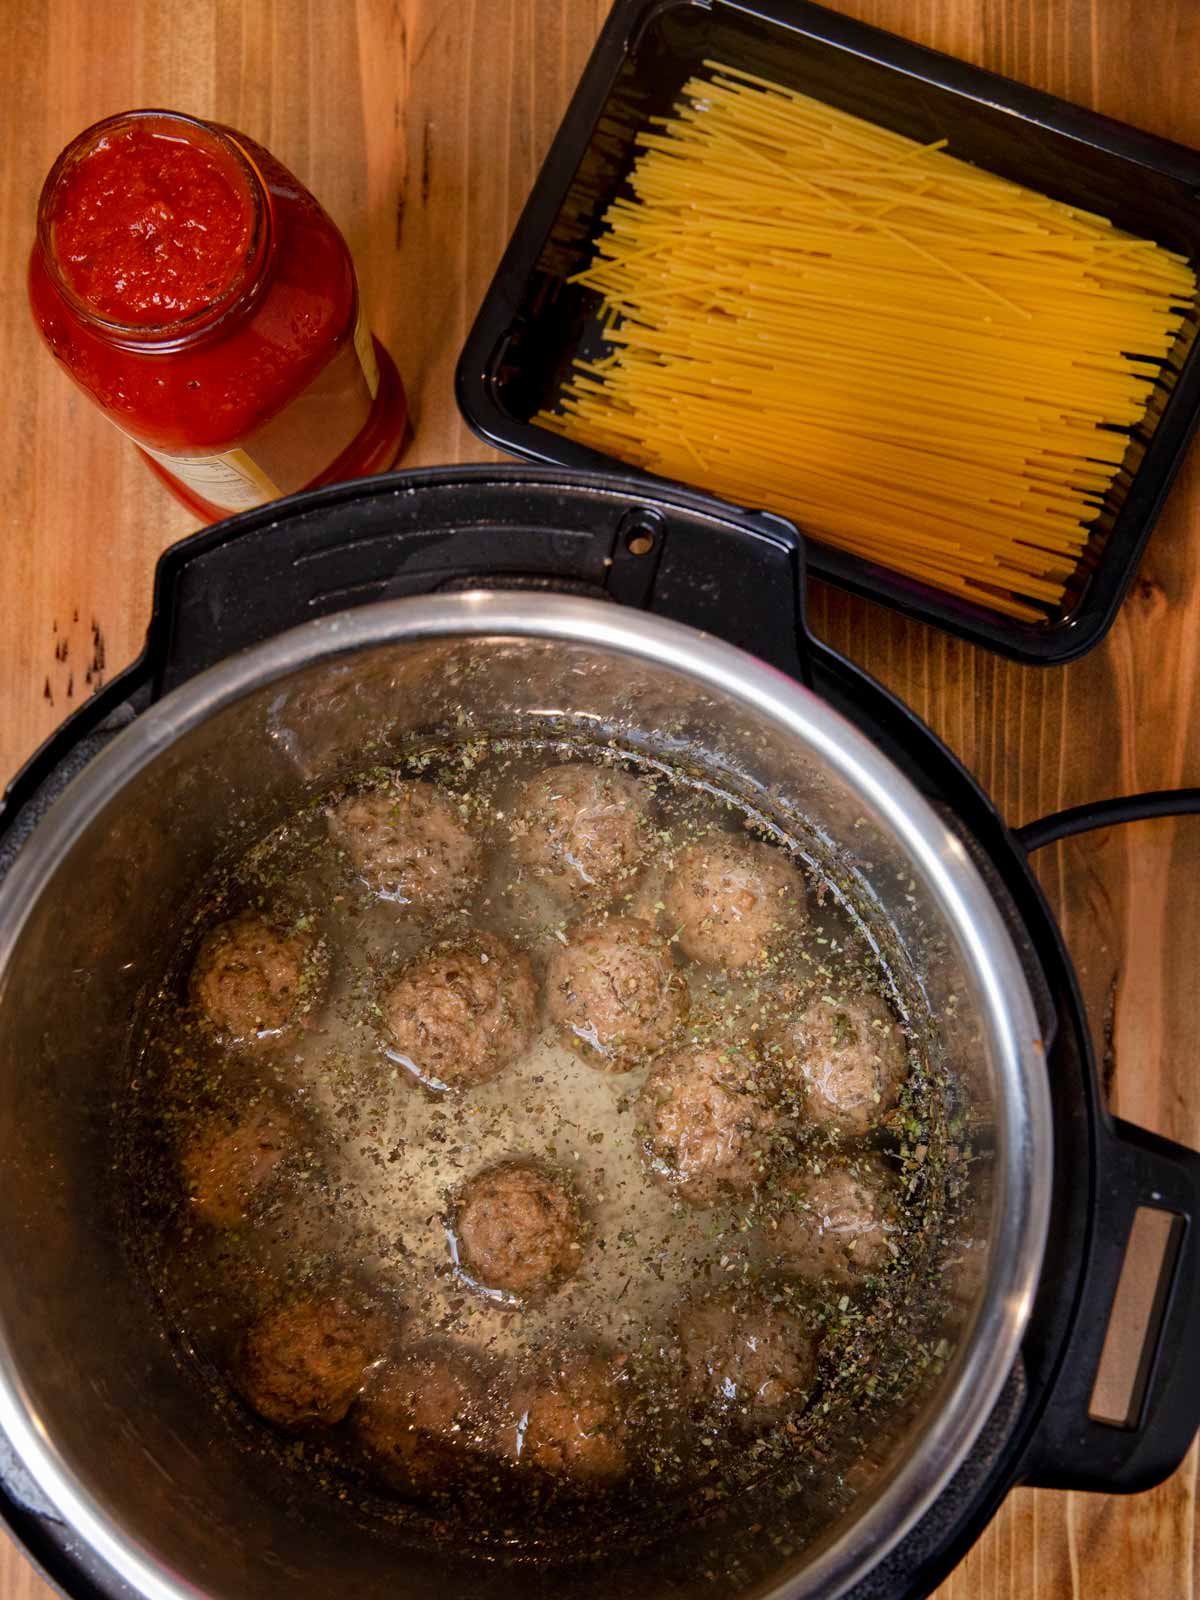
x=244, y=278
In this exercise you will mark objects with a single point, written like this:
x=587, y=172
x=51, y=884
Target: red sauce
x=200, y=296
x=150, y=229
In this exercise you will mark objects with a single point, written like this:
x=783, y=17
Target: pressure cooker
x=284, y=639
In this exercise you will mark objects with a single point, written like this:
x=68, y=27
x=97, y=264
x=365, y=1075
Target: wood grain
x=421, y=124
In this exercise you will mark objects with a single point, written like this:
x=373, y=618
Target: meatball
x=302, y=1364
x=583, y=829
x=409, y=844
x=463, y=1012
x=709, y=1125
x=250, y=980
x=422, y=1422
x=615, y=993
x=518, y=1229
x=746, y=1355
x=573, y=1425
x=836, y=1223
x=226, y=1165
x=732, y=899
x=851, y=1059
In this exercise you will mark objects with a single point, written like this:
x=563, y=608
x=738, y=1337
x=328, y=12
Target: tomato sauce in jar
x=196, y=291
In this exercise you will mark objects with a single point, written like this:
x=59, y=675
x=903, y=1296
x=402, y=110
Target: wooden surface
x=420, y=124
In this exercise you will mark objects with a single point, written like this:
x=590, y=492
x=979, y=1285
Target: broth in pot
x=530, y=1123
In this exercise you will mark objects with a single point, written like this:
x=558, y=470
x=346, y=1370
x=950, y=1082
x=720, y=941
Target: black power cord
x=1107, y=814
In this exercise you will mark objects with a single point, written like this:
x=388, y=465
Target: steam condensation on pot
x=530, y=1123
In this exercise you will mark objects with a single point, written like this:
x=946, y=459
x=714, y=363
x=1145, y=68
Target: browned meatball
x=250, y=980
x=518, y=1229
x=615, y=993
x=226, y=1164
x=850, y=1057
x=583, y=829
x=836, y=1223
x=709, y=1124
x=409, y=844
x=463, y=1012
x=573, y=1424
x=746, y=1355
x=422, y=1421
x=302, y=1364
x=732, y=900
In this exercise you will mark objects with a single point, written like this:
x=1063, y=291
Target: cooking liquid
x=367, y=1198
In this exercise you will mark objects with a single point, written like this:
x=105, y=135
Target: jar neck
x=247, y=273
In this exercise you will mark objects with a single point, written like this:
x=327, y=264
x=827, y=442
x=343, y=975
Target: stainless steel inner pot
x=92, y=1396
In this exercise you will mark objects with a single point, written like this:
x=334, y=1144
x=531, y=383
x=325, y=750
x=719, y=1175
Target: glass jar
x=200, y=296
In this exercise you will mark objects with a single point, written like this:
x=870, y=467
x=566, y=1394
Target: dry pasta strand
x=921, y=362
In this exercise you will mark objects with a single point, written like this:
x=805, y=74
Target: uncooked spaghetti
x=918, y=361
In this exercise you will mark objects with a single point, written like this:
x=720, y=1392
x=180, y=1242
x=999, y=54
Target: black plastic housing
x=742, y=577
x=533, y=322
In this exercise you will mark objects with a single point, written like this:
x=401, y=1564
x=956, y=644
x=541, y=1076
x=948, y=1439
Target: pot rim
x=1025, y=1125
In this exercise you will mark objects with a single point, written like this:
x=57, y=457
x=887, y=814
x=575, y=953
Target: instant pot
x=280, y=640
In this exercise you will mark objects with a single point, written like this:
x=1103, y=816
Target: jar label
x=230, y=480
x=296, y=445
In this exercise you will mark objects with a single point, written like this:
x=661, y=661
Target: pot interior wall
x=99, y=1379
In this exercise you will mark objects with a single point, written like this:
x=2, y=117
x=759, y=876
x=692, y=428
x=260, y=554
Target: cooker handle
x=739, y=574
x=1073, y=1449
x=1135, y=1169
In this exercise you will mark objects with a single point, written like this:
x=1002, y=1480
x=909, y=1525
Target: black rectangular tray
x=533, y=323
